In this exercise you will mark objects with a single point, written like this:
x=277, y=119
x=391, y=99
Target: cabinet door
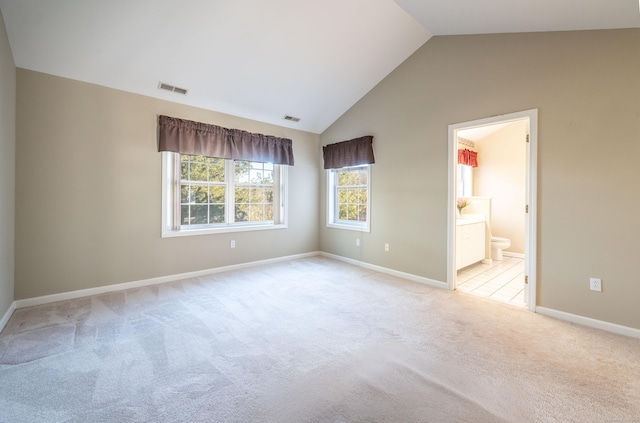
x=469, y=244
x=459, y=246
x=476, y=242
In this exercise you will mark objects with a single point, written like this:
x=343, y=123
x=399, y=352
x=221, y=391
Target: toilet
x=497, y=245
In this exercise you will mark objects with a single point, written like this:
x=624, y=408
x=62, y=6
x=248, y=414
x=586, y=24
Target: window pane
x=199, y=215
x=217, y=214
x=242, y=213
x=216, y=194
x=256, y=195
x=343, y=178
x=199, y=194
x=268, y=196
x=352, y=197
x=184, y=193
x=242, y=172
x=362, y=214
x=184, y=169
x=362, y=178
x=216, y=170
x=255, y=176
x=268, y=177
x=352, y=212
x=184, y=215
x=198, y=172
x=342, y=196
x=363, y=196
x=342, y=212
x=199, y=159
x=268, y=212
x=242, y=195
x=256, y=213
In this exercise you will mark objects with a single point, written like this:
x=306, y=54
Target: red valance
x=468, y=157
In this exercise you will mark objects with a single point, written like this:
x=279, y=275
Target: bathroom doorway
x=468, y=239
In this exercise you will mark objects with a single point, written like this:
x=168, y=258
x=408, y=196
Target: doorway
x=528, y=120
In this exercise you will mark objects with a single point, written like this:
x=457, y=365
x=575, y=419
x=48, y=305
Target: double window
x=207, y=195
x=348, y=197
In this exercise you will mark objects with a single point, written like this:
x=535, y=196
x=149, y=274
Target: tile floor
x=501, y=281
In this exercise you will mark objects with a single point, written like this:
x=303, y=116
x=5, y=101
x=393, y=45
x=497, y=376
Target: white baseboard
x=510, y=254
x=587, y=321
x=7, y=316
x=28, y=302
x=403, y=275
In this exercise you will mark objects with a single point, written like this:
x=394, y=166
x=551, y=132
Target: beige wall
x=7, y=169
x=89, y=188
x=585, y=86
x=501, y=175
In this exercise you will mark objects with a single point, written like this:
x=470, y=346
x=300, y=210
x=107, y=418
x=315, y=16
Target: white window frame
x=171, y=202
x=332, y=221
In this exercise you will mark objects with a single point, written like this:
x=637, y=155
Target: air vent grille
x=291, y=118
x=172, y=88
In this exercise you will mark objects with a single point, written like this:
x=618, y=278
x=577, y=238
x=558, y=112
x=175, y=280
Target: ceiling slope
x=263, y=60
x=456, y=17
x=250, y=58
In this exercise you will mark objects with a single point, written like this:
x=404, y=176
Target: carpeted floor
x=309, y=340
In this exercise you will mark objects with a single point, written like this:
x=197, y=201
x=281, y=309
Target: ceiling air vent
x=168, y=87
x=291, y=118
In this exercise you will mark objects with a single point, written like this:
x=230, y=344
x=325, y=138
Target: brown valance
x=202, y=139
x=357, y=151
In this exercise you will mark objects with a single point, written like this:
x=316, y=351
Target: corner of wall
x=7, y=174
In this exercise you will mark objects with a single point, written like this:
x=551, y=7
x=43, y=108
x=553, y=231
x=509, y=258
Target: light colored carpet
x=309, y=340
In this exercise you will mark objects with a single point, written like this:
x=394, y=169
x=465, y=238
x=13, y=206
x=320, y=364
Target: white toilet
x=497, y=245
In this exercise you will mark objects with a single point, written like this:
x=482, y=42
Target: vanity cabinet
x=470, y=243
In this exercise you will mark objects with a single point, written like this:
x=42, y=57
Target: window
x=465, y=181
x=207, y=195
x=348, y=197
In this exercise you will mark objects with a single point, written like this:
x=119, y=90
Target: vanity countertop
x=468, y=220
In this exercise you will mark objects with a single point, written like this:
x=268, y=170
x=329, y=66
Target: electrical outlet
x=595, y=284
x=357, y=242
x=386, y=247
x=233, y=243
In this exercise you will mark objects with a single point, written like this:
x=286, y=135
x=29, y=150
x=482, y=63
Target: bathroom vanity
x=470, y=241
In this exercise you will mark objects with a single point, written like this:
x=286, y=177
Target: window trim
x=331, y=202
x=171, y=168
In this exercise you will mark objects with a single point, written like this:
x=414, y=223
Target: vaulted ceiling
x=264, y=59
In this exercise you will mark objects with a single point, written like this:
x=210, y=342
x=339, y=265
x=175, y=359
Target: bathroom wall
x=501, y=175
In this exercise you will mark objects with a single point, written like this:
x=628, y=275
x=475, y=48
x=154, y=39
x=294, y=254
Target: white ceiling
x=480, y=132
x=449, y=17
x=265, y=59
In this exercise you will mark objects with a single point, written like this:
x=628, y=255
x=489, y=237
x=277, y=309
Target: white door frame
x=531, y=116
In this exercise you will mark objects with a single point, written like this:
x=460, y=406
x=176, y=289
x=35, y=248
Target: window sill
x=221, y=230
x=358, y=228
